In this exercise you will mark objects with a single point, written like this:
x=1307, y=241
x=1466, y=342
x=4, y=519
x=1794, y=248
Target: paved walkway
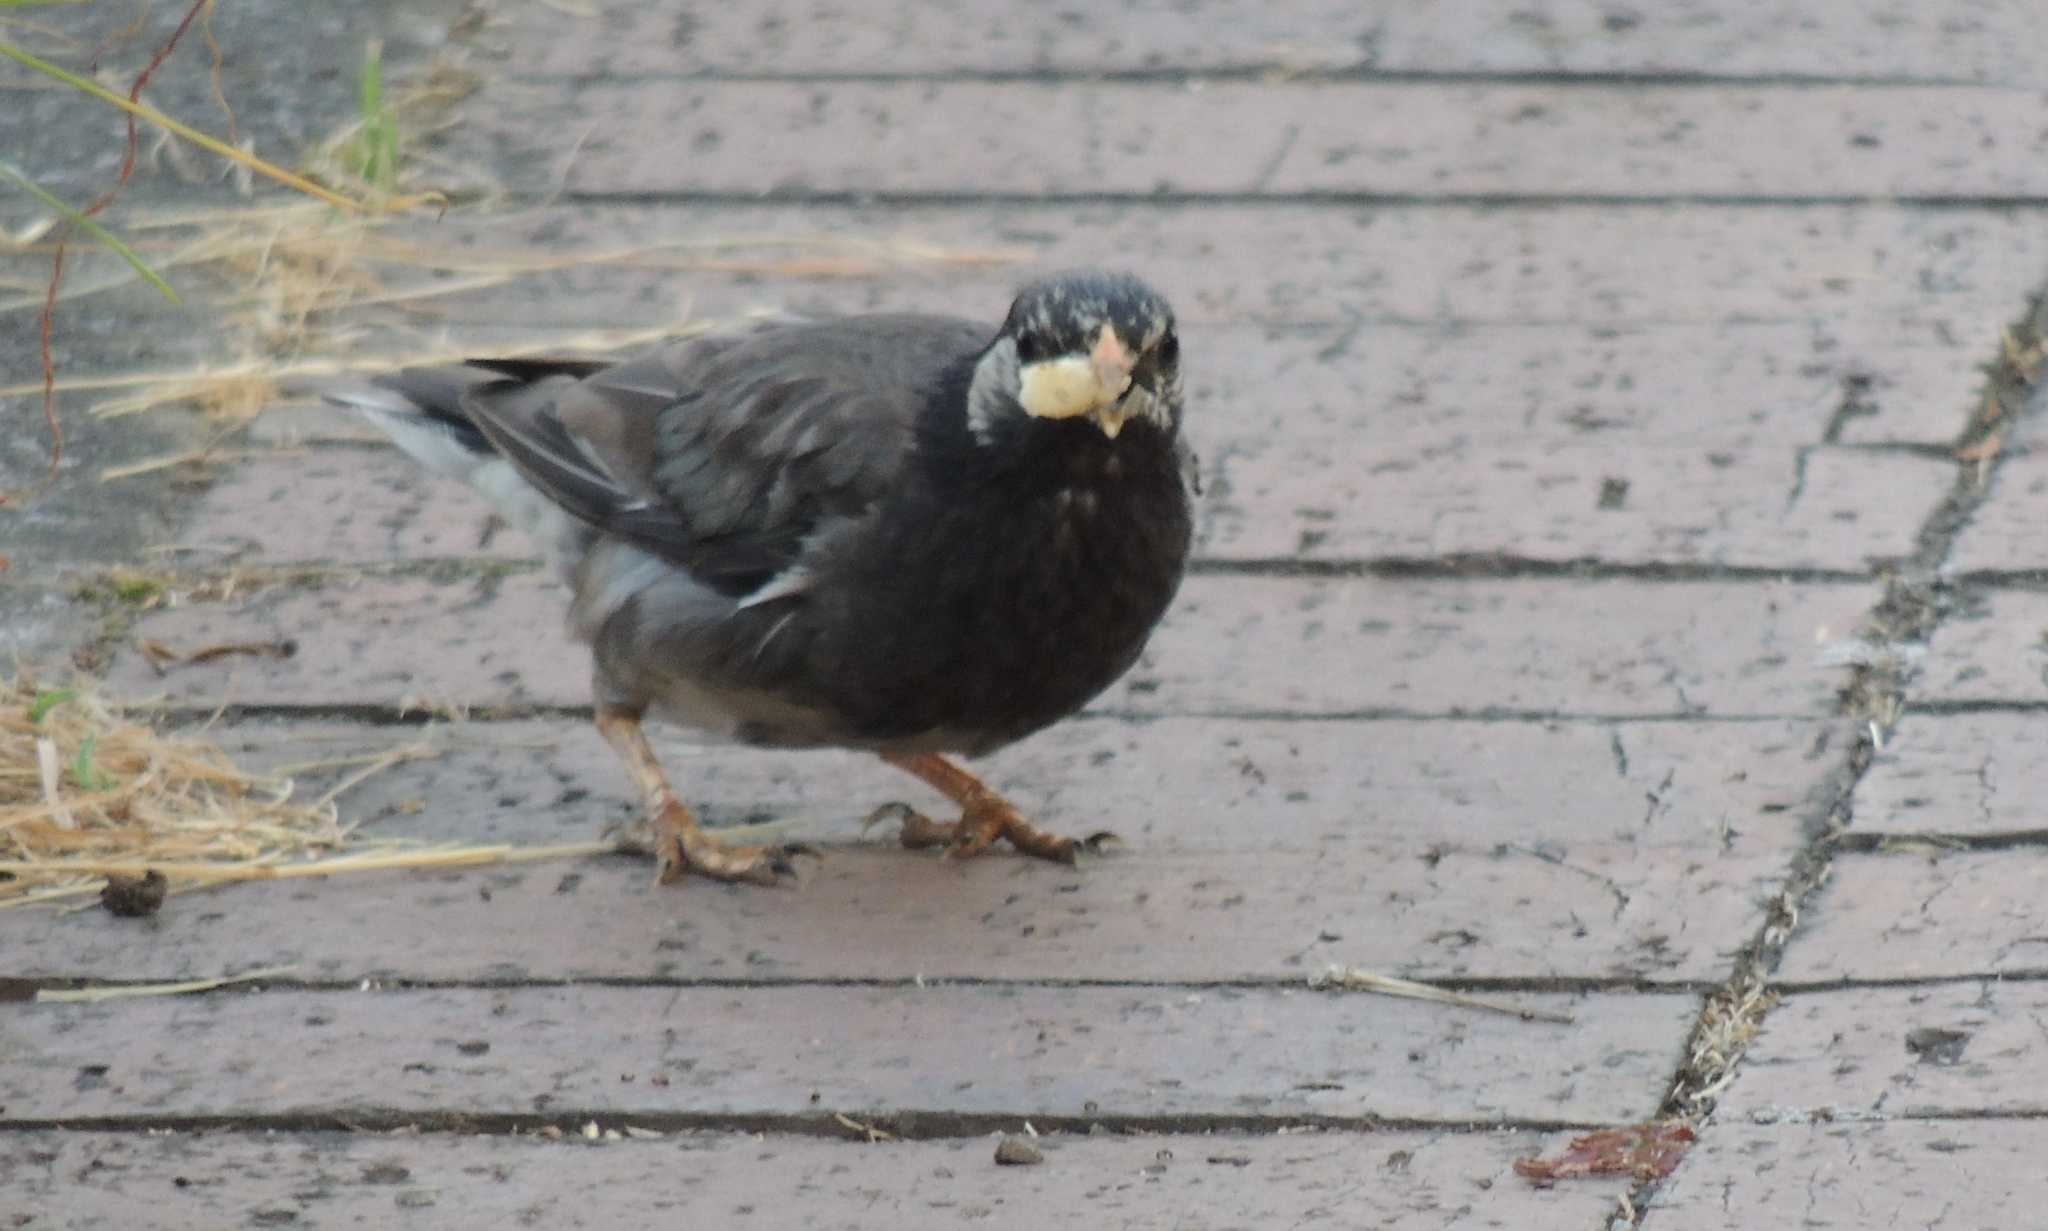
x=1621, y=594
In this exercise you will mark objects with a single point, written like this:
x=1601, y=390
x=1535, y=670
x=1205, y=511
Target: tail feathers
x=439, y=438
x=426, y=397
x=456, y=450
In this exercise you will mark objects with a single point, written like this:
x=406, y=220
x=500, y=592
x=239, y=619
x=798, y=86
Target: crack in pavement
x=1916, y=601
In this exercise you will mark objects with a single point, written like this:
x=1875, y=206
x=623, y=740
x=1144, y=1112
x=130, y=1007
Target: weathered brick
x=1720, y=37
x=1917, y=381
x=1587, y=910
x=37, y=623
x=774, y=1182
x=809, y=1050
x=1281, y=138
x=1850, y=1177
x=1619, y=501
x=1296, y=485
x=1872, y=286
x=1254, y=851
x=1923, y=913
x=1994, y=647
x=1947, y=1049
x=346, y=505
x=1166, y=783
x=2004, y=534
x=1286, y=646
x=1975, y=774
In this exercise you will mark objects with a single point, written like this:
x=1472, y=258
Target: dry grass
x=88, y=791
x=301, y=292
x=306, y=294
x=1728, y=1024
x=85, y=789
x=1352, y=979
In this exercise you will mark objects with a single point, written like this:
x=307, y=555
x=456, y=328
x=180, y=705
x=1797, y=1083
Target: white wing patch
x=791, y=581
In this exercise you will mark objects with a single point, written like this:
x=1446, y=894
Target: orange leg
x=680, y=844
x=984, y=816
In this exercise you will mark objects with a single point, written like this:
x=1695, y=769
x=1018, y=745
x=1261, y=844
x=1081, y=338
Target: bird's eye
x=1169, y=349
x=1029, y=348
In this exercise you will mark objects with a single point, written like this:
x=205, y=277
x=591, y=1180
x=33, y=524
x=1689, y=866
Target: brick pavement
x=1590, y=614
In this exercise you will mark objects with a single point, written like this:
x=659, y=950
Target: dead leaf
x=1643, y=1151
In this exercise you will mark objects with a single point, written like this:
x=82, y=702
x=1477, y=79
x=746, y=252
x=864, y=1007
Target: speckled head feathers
x=1064, y=314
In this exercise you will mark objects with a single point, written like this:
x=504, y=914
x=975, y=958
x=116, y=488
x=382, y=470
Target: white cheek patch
x=1061, y=388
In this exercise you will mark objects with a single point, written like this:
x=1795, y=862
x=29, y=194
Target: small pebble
x=133, y=897
x=1018, y=1152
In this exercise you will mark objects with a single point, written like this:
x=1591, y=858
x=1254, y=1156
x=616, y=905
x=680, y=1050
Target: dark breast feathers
x=841, y=562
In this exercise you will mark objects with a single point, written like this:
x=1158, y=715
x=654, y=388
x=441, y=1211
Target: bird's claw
x=678, y=855
x=918, y=832
x=1069, y=850
x=974, y=833
x=899, y=812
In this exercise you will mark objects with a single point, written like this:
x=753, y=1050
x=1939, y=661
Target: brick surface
x=1311, y=493
x=1994, y=647
x=1281, y=138
x=1873, y=283
x=1403, y=1181
x=1166, y=783
x=809, y=1051
x=1493, y=296
x=1451, y=383
x=1231, y=644
x=1847, y=1054
x=2005, y=533
x=346, y=505
x=1922, y=913
x=1255, y=851
x=1587, y=910
x=1621, y=502
x=1975, y=774
x=34, y=622
x=1734, y=37
x=1397, y=442
x=1946, y=1175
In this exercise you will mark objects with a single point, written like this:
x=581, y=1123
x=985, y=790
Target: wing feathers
x=724, y=453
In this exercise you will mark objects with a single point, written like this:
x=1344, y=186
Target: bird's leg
x=680, y=844
x=984, y=816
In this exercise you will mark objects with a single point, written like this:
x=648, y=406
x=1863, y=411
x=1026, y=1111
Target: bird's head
x=1095, y=347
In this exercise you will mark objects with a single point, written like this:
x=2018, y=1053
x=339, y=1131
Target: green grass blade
x=47, y=701
x=90, y=227
x=376, y=151
x=296, y=182
x=370, y=95
x=85, y=775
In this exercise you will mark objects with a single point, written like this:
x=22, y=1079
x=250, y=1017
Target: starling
x=908, y=534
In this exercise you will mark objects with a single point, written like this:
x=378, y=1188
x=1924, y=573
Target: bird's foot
x=681, y=847
x=981, y=823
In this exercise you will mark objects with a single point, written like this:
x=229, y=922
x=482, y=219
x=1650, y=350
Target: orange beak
x=1112, y=363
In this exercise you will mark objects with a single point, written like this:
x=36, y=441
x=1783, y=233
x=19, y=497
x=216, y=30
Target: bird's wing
x=724, y=454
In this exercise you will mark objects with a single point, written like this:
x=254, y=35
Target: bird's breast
x=1027, y=608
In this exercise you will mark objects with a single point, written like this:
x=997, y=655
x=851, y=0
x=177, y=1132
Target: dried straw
x=1352, y=979
x=308, y=293
x=87, y=791
x=82, y=786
